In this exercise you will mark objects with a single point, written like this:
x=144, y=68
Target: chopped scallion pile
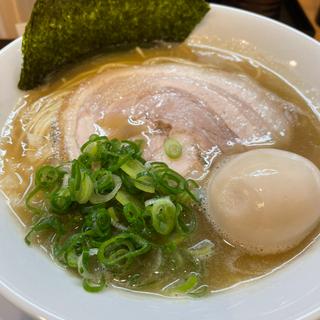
x=110, y=216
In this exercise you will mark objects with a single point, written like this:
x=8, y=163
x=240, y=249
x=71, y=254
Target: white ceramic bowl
x=32, y=282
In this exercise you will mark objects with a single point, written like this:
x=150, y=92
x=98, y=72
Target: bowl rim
x=35, y=310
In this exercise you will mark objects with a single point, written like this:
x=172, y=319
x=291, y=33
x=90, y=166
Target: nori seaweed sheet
x=65, y=31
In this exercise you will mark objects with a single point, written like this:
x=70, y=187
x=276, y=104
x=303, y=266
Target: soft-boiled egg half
x=265, y=200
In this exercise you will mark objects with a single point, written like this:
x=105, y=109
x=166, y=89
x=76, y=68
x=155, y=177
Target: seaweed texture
x=65, y=31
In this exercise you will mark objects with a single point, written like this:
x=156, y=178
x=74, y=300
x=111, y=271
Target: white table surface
x=9, y=312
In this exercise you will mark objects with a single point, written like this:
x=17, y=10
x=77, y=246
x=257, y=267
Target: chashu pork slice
x=207, y=110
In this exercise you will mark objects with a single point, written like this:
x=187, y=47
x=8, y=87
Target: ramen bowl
x=33, y=283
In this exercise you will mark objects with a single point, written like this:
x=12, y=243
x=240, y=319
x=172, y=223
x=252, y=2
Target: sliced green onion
x=93, y=286
x=199, y=291
x=84, y=261
x=80, y=184
x=120, y=250
x=115, y=220
x=30, y=195
x=134, y=146
x=71, y=243
x=118, y=210
x=113, y=214
x=144, y=183
x=166, y=180
x=188, y=284
x=183, y=286
x=203, y=249
x=72, y=258
x=132, y=168
x=150, y=202
x=135, y=170
x=134, y=216
x=186, y=220
x=171, y=181
x=94, y=280
x=116, y=252
x=128, y=183
x=176, y=240
x=45, y=223
x=193, y=189
x=97, y=198
x=173, y=148
x=85, y=191
x=97, y=223
x=163, y=216
x=125, y=198
x=103, y=181
x=75, y=178
x=93, y=138
x=47, y=177
x=91, y=149
x=60, y=200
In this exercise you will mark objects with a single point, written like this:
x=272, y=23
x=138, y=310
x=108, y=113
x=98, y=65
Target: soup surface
x=32, y=136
